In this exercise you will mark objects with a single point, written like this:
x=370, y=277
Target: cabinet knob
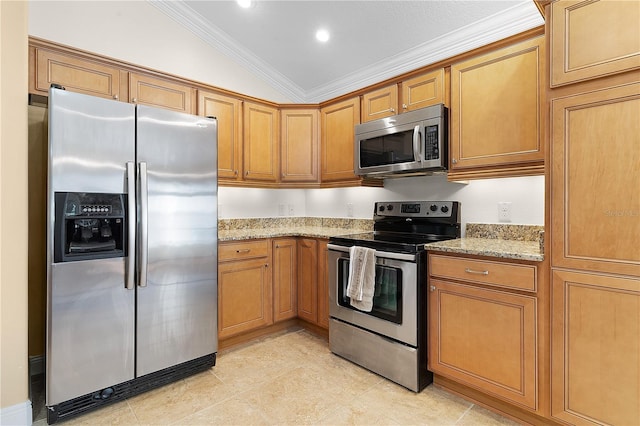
x=235, y=172
x=404, y=106
x=116, y=97
x=134, y=100
x=393, y=110
x=246, y=173
x=432, y=288
x=454, y=161
x=266, y=265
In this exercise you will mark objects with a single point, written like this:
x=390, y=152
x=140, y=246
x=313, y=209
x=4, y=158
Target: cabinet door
x=308, y=279
x=380, y=103
x=591, y=39
x=299, y=145
x=423, y=91
x=595, y=179
x=76, y=74
x=495, y=117
x=285, y=301
x=595, y=354
x=485, y=339
x=228, y=112
x=147, y=90
x=323, y=285
x=244, y=296
x=261, y=135
x=338, y=132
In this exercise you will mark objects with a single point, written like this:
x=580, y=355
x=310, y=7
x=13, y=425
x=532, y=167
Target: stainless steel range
x=391, y=339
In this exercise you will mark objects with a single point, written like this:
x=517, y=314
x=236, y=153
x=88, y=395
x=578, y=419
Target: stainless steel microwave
x=412, y=143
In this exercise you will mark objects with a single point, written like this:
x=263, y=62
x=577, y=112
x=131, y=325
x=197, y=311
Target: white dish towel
x=362, y=277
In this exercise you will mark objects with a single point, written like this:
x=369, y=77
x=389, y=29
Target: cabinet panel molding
x=423, y=91
x=228, y=112
x=591, y=39
x=595, y=175
x=338, y=123
x=595, y=349
x=495, y=109
x=380, y=103
x=285, y=292
x=147, y=90
x=486, y=339
x=299, y=145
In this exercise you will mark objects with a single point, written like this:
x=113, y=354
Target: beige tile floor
x=289, y=379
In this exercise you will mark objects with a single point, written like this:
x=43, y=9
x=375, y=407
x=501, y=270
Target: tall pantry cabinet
x=595, y=211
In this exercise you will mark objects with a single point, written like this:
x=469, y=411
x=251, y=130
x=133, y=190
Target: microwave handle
x=416, y=143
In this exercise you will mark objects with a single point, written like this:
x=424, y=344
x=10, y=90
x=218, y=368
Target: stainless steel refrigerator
x=131, y=250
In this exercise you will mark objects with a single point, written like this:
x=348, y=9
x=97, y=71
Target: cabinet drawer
x=238, y=250
x=502, y=274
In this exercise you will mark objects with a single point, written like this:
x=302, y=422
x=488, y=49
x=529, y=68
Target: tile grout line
x=464, y=414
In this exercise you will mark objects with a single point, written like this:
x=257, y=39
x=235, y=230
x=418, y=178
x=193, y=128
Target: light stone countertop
x=506, y=249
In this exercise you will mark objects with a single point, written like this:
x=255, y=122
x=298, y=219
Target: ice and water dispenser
x=89, y=226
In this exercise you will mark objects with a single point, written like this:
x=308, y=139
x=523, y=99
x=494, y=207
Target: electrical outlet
x=282, y=210
x=349, y=209
x=291, y=210
x=504, y=211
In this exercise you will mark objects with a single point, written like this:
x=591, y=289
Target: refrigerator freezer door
x=90, y=313
x=177, y=309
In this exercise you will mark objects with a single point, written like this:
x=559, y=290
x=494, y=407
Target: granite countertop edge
x=491, y=247
x=302, y=231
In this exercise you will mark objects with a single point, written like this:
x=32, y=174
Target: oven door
x=394, y=313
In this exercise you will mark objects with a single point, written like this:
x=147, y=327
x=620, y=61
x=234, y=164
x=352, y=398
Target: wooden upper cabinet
x=261, y=147
x=496, y=123
x=423, y=91
x=147, y=90
x=595, y=349
x=595, y=205
x=485, y=339
x=74, y=74
x=228, y=111
x=590, y=39
x=299, y=145
x=380, y=103
x=338, y=123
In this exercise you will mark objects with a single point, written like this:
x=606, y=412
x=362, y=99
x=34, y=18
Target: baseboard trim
x=36, y=365
x=16, y=415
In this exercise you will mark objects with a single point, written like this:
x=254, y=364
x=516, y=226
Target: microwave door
x=391, y=149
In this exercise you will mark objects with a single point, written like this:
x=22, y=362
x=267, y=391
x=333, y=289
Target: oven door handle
x=380, y=254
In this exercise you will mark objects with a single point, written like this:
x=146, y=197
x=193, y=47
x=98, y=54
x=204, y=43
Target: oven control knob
x=433, y=207
x=381, y=208
x=390, y=207
x=444, y=209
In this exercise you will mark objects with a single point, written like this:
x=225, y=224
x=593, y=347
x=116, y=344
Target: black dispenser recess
x=89, y=226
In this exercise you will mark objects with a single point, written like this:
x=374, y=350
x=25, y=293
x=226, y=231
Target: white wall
x=137, y=32
x=479, y=199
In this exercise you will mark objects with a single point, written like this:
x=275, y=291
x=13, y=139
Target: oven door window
x=387, y=297
x=387, y=149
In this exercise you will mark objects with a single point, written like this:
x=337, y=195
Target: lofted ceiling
x=370, y=41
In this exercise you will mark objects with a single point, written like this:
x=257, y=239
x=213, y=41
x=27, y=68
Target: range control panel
x=425, y=209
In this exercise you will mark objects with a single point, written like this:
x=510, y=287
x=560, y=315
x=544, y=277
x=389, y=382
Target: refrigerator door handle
x=143, y=243
x=131, y=226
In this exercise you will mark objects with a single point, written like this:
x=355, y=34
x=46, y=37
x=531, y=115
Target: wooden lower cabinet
x=285, y=292
x=323, y=285
x=595, y=354
x=308, y=279
x=485, y=339
x=313, y=292
x=244, y=293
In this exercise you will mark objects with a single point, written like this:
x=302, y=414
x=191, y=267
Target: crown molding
x=512, y=21
x=221, y=41
x=519, y=18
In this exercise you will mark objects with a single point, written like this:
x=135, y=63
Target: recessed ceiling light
x=322, y=35
x=245, y=4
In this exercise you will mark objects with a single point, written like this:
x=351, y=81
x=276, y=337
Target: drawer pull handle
x=471, y=271
x=243, y=251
